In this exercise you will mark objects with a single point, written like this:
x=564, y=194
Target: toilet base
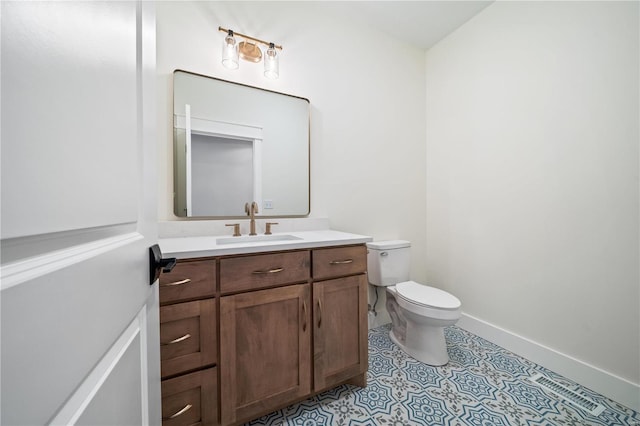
x=419, y=336
x=428, y=346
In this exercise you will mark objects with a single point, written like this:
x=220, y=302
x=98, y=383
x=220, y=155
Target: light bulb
x=230, y=52
x=271, y=62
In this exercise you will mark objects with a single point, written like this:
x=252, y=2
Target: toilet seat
x=425, y=296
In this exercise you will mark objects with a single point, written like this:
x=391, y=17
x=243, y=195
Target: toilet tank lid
x=388, y=245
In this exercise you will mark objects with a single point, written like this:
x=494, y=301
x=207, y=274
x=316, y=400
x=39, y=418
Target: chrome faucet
x=251, y=212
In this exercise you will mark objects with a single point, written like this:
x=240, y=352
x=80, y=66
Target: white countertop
x=190, y=247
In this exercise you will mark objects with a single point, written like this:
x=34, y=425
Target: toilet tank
x=388, y=262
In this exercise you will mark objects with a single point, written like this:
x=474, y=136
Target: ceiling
x=420, y=23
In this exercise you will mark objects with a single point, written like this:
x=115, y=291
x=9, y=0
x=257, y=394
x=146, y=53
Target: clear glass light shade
x=271, y=63
x=230, y=57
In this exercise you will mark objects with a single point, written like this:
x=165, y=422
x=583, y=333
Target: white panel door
x=79, y=318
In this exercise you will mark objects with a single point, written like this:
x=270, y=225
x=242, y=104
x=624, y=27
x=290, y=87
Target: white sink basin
x=246, y=239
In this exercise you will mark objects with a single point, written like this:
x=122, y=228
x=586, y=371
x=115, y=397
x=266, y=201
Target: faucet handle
x=268, y=230
x=236, y=228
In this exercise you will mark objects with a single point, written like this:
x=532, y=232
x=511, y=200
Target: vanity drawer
x=191, y=399
x=265, y=270
x=188, y=280
x=339, y=261
x=187, y=336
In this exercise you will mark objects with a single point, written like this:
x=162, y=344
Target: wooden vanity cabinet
x=289, y=324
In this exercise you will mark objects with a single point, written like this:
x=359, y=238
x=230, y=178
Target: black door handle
x=157, y=263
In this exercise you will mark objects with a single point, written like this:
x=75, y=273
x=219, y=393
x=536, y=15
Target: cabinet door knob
x=319, y=313
x=304, y=316
x=341, y=262
x=185, y=281
x=269, y=271
x=178, y=340
x=179, y=413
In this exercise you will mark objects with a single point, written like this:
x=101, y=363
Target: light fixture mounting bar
x=266, y=43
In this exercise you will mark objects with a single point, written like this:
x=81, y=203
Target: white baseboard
x=594, y=378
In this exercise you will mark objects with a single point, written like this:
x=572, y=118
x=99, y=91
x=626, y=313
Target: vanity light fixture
x=250, y=51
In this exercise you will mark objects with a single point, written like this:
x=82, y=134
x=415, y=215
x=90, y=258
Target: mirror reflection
x=235, y=144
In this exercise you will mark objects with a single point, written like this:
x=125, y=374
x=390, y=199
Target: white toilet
x=418, y=312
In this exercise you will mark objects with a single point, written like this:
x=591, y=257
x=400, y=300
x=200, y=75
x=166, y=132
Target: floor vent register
x=568, y=395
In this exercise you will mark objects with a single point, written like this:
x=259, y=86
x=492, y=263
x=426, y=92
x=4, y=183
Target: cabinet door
x=340, y=330
x=339, y=261
x=190, y=399
x=265, y=344
x=190, y=279
x=263, y=270
x=187, y=336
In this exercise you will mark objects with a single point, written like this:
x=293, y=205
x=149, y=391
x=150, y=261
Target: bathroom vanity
x=249, y=326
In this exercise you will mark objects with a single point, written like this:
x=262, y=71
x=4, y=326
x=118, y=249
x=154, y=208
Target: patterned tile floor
x=483, y=385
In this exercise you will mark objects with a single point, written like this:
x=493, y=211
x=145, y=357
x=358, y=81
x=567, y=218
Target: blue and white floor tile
x=483, y=385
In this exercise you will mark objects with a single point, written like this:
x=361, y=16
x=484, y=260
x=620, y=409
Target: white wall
x=367, y=107
x=532, y=176
x=531, y=197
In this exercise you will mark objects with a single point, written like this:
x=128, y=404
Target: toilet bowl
x=418, y=325
x=419, y=313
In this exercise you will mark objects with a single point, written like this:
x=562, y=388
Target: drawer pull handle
x=179, y=413
x=185, y=281
x=178, y=340
x=341, y=262
x=269, y=271
x=319, y=313
x=304, y=316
